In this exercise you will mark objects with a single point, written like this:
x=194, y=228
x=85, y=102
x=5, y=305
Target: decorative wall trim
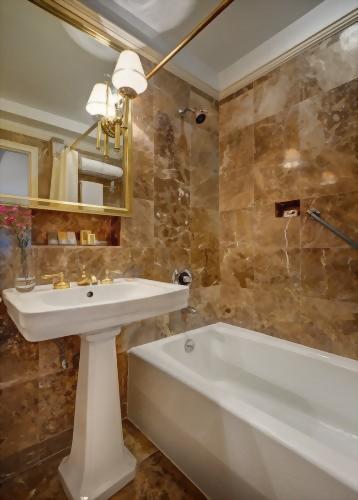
x=318, y=37
x=85, y=19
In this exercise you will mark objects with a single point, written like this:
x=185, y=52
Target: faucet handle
x=107, y=280
x=58, y=284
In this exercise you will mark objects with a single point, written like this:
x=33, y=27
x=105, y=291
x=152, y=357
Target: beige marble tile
x=138, y=230
x=276, y=91
x=236, y=113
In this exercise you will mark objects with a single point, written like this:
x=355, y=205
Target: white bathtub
x=248, y=416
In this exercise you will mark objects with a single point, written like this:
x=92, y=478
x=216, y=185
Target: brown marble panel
x=138, y=229
x=236, y=113
x=166, y=262
x=204, y=179
x=236, y=188
x=327, y=65
x=49, y=355
x=136, y=442
x=334, y=320
x=320, y=268
x=274, y=232
x=237, y=267
x=142, y=260
x=56, y=402
x=142, y=332
x=340, y=211
x=172, y=215
x=170, y=93
x=143, y=145
x=236, y=228
x=204, y=225
x=278, y=310
x=172, y=143
x=19, y=409
x=328, y=129
x=18, y=358
x=237, y=306
x=122, y=368
x=205, y=266
x=276, y=91
x=278, y=268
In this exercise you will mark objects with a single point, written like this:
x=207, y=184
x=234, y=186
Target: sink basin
x=46, y=313
x=99, y=464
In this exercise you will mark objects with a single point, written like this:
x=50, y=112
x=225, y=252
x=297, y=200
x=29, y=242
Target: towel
x=99, y=168
x=91, y=193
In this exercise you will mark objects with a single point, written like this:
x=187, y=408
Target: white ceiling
x=241, y=28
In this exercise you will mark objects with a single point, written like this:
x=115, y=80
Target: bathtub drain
x=189, y=345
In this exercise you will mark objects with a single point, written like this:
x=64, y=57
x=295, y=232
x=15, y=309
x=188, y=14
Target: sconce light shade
x=97, y=102
x=128, y=73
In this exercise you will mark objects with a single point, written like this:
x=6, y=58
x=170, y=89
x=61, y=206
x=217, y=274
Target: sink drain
x=189, y=345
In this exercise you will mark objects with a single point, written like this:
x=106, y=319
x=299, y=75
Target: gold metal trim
x=198, y=28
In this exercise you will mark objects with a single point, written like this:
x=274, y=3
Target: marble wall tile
x=303, y=280
x=274, y=232
x=331, y=63
x=320, y=267
x=339, y=210
x=237, y=266
x=198, y=100
x=328, y=132
x=237, y=306
x=236, y=186
x=143, y=145
x=237, y=112
x=276, y=91
x=138, y=230
x=19, y=410
x=204, y=227
x=18, y=358
x=204, y=178
x=236, y=228
x=278, y=268
x=205, y=266
x=56, y=400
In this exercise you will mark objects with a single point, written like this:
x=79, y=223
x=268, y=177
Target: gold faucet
x=108, y=280
x=58, y=280
x=87, y=279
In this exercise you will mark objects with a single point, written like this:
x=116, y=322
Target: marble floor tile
x=156, y=477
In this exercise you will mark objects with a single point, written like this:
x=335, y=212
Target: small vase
x=25, y=278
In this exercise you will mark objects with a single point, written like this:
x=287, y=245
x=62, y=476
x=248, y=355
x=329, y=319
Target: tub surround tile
x=327, y=66
x=237, y=113
x=237, y=267
x=305, y=135
x=204, y=227
x=340, y=211
x=276, y=91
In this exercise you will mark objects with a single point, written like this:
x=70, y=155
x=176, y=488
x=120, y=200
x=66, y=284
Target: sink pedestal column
x=99, y=464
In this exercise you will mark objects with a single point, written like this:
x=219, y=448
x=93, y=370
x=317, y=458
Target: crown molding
x=108, y=33
x=260, y=61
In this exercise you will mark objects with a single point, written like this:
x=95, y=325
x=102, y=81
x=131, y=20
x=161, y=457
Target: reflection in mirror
x=48, y=71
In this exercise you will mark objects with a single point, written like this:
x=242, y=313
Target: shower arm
x=210, y=17
x=316, y=215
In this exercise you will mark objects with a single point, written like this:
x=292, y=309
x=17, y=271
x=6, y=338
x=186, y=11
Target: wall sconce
x=112, y=105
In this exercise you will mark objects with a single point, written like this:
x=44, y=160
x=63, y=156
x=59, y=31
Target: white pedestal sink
x=99, y=464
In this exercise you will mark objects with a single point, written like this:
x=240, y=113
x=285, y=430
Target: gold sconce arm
x=59, y=282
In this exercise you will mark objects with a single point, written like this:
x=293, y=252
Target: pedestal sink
x=99, y=464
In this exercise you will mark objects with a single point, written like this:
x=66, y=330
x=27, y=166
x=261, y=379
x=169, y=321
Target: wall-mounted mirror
x=48, y=70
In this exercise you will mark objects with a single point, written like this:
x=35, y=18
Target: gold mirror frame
x=79, y=16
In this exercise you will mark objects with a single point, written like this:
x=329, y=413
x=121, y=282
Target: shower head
x=200, y=114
